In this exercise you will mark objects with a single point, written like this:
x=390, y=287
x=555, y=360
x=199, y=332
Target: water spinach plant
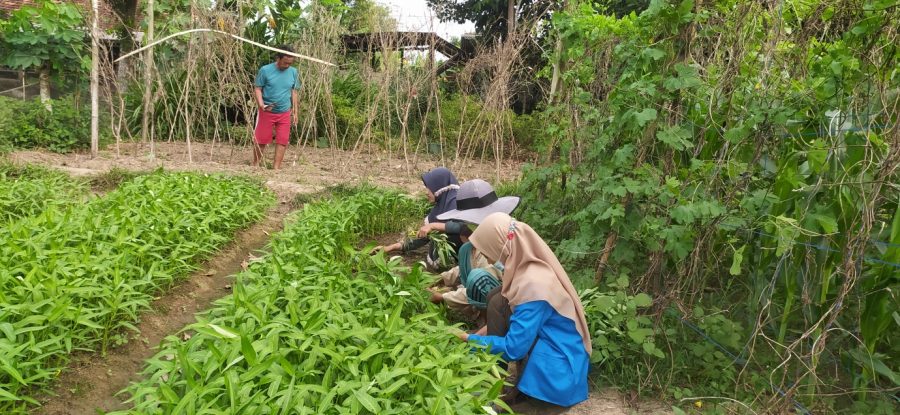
x=320, y=327
x=29, y=190
x=73, y=278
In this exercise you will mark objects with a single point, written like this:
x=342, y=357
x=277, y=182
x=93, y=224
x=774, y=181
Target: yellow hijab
x=532, y=272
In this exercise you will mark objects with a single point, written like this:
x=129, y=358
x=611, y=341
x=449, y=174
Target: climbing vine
x=738, y=161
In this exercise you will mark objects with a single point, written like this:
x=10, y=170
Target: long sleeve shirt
x=557, y=368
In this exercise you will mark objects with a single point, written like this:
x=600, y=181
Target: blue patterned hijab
x=443, y=184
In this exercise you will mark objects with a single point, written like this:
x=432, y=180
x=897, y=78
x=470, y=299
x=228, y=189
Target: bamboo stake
x=151, y=45
x=558, y=63
x=95, y=81
x=510, y=18
x=148, y=80
x=19, y=87
x=188, y=114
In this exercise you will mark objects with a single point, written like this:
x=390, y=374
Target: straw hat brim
x=504, y=204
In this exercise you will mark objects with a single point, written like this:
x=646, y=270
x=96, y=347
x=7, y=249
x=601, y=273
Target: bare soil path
x=307, y=167
x=602, y=401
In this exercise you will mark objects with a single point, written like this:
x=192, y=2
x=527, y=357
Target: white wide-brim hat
x=475, y=200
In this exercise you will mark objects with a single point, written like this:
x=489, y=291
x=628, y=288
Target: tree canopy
x=47, y=33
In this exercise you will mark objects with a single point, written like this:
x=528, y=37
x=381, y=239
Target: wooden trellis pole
x=148, y=77
x=95, y=79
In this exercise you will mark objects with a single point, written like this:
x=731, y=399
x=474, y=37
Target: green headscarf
x=478, y=282
x=465, y=262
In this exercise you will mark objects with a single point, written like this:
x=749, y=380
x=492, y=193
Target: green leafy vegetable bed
x=72, y=278
x=319, y=327
x=28, y=191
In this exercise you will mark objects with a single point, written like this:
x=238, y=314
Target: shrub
x=27, y=124
x=624, y=339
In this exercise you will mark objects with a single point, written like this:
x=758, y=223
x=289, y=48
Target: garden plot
x=73, y=278
x=319, y=327
x=91, y=381
x=28, y=191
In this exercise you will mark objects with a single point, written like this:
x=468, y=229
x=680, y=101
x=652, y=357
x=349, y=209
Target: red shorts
x=267, y=121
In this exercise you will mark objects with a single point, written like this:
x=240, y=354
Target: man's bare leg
x=279, y=155
x=258, y=151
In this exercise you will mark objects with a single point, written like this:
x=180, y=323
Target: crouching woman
x=535, y=317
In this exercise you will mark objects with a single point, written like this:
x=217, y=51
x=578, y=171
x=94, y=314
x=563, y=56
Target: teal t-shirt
x=277, y=85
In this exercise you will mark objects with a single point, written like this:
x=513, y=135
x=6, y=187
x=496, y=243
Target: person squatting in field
x=276, y=96
x=535, y=318
x=471, y=281
x=441, y=187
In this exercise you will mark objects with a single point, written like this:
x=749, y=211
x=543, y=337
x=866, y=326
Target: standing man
x=276, y=95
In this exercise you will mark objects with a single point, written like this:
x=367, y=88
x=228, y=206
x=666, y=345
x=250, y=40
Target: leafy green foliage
x=71, y=278
x=737, y=168
x=366, y=16
x=489, y=16
x=47, y=33
x=27, y=124
x=445, y=252
x=319, y=327
x=456, y=123
x=707, y=366
x=28, y=190
x=622, y=337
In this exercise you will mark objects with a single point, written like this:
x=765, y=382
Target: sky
x=415, y=15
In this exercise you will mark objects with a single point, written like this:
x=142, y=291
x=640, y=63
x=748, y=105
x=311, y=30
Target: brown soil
x=304, y=167
x=605, y=401
x=91, y=380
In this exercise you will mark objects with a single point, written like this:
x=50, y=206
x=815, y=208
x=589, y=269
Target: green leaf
x=686, y=78
x=737, y=134
x=683, y=214
x=642, y=300
x=645, y=116
x=168, y=393
x=653, y=53
x=604, y=303
x=828, y=223
x=874, y=361
x=367, y=401
x=639, y=335
x=676, y=137
x=248, y=351
x=88, y=323
x=13, y=372
x=223, y=332
x=6, y=396
x=837, y=68
x=817, y=155
x=8, y=330
x=737, y=260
